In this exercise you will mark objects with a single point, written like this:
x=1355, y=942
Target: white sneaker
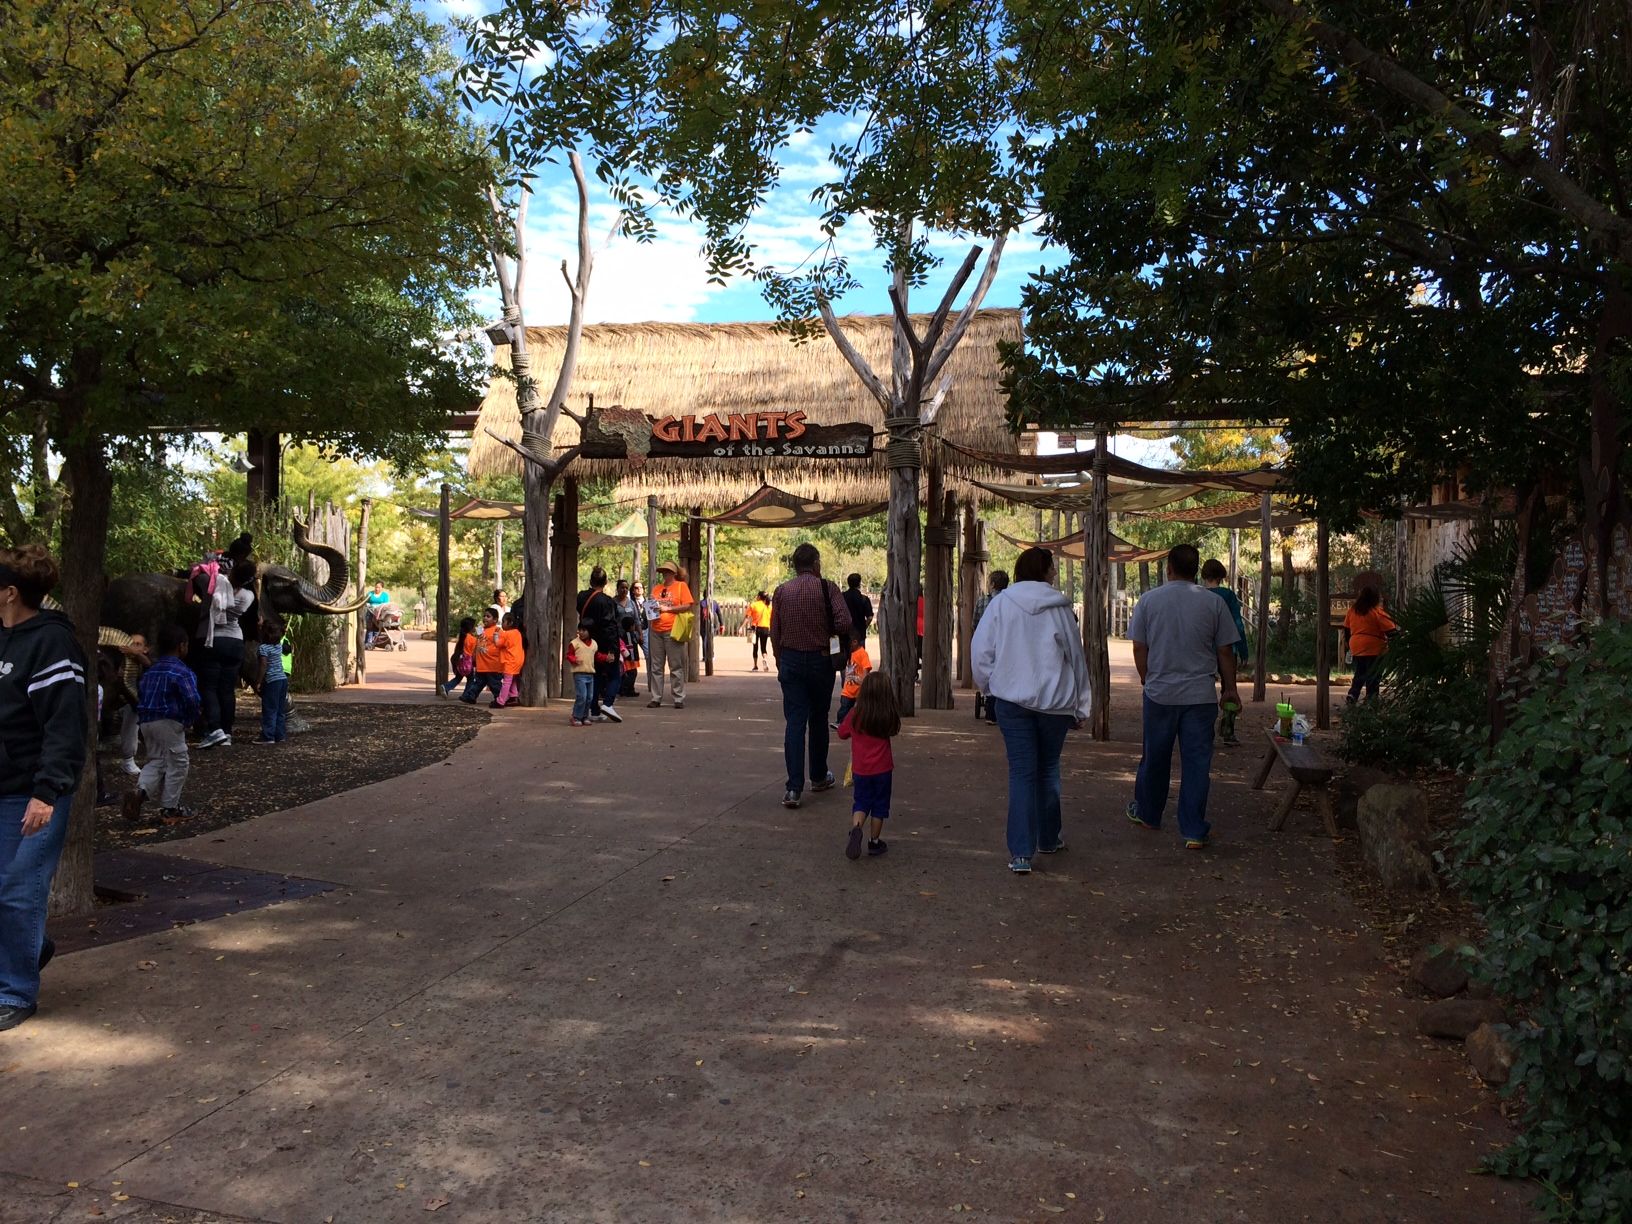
x=611, y=713
x=130, y=767
x=599, y=718
x=212, y=739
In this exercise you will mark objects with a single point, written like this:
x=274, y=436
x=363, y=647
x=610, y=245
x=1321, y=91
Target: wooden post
x=557, y=675
x=1401, y=554
x=651, y=543
x=1260, y=673
x=936, y=679
x=708, y=594
x=566, y=579
x=1096, y=603
x=1235, y=557
x=498, y=554
x=360, y=670
x=1289, y=591
x=692, y=559
x=1144, y=577
x=1323, y=626
x=444, y=592
x=971, y=578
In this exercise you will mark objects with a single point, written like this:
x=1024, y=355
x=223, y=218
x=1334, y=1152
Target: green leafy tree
x=225, y=213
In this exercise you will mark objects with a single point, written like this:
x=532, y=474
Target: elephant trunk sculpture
x=140, y=603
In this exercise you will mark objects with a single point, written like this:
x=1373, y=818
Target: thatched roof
x=663, y=368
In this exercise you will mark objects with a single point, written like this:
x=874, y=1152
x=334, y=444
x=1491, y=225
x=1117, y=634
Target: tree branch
x=848, y=351
x=967, y=314
x=1515, y=151
x=575, y=321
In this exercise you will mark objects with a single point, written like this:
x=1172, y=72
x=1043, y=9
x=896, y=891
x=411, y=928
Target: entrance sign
x=730, y=435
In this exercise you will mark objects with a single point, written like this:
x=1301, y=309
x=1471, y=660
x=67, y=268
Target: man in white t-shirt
x=1182, y=638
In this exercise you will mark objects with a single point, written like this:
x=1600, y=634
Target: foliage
x=313, y=639
x=680, y=104
x=1253, y=220
x=1545, y=852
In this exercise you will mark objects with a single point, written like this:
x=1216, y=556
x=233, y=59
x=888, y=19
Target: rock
x=1456, y=1018
x=1349, y=786
x=1479, y=989
x=1394, y=838
x=1439, y=971
x=1489, y=1054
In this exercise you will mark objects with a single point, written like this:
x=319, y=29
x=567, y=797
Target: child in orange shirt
x=511, y=657
x=855, y=671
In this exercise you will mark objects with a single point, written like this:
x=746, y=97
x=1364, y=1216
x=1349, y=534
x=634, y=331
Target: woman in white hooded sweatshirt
x=1028, y=660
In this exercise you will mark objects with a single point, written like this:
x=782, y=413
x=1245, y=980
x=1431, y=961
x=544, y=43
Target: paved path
x=600, y=974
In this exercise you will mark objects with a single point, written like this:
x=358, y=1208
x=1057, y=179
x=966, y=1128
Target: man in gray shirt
x=1182, y=634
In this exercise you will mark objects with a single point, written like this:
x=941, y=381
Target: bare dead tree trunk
x=916, y=363
x=1096, y=571
x=540, y=463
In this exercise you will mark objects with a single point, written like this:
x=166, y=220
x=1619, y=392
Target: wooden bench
x=1308, y=768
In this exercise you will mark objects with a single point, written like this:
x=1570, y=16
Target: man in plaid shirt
x=807, y=612
x=167, y=704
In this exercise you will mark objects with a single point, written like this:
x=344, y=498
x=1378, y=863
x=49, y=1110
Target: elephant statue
x=140, y=603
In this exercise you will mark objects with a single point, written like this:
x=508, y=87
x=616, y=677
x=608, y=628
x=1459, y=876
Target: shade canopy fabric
x=1125, y=496
x=1074, y=548
x=475, y=508
x=1257, y=480
x=631, y=531
x=769, y=506
x=1243, y=513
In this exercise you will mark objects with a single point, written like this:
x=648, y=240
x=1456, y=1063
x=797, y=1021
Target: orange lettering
x=744, y=427
x=796, y=424
x=773, y=424
x=666, y=429
x=687, y=425
x=710, y=429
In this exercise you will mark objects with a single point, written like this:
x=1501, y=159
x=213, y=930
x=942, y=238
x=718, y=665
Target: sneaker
x=48, y=949
x=211, y=739
x=261, y=739
x=1195, y=843
x=679, y=705
x=790, y=799
x=654, y=704
x=832, y=726
x=852, y=848
x=876, y=846
x=827, y=783
x=599, y=718
x=577, y=722
x=176, y=815
x=11, y=1015
x=133, y=804
x=224, y=742
x=130, y=767
x=1020, y=866
x=611, y=714
x=1133, y=815
x=1054, y=849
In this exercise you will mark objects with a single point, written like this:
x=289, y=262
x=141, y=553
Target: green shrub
x=1546, y=854
x=1418, y=726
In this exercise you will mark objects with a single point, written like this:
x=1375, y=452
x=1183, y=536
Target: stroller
x=385, y=627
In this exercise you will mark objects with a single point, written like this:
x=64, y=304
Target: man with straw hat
x=670, y=597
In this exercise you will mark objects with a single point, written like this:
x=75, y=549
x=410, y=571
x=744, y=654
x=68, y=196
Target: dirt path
x=599, y=974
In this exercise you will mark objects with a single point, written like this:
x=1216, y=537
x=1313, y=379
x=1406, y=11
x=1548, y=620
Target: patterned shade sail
x=769, y=506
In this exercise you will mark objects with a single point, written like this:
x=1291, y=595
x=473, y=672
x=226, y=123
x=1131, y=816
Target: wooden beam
x=1323, y=625
x=708, y=595
x=1096, y=582
x=360, y=670
x=444, y=527
x=1260, y=673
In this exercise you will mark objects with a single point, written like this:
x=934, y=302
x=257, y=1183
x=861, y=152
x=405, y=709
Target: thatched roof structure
x=664, y=368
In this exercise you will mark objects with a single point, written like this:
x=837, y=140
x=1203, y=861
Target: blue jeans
x=608, y=680
x=479, y=683
x=1033, y=742
x=806, y=677
x=26, y=867
x=274, y=710
x=583, y=695
x=1192, y=727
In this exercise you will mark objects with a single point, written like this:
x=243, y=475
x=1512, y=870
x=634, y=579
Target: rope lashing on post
x=903, y=449
x=941, y=536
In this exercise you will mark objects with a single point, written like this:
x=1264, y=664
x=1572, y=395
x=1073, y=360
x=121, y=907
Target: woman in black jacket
x=44, y=730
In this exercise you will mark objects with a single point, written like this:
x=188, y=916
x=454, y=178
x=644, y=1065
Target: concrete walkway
x=600, y=974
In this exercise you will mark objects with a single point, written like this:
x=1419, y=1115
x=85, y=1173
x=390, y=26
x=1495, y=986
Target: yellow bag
x=685, y=626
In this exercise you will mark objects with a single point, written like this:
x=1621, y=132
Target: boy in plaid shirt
x=167, y=704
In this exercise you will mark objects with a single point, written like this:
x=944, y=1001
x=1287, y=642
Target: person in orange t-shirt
x=485, y=673
x=855, y=671
x=1369, y=628
x=669, y=597
x=511, y=657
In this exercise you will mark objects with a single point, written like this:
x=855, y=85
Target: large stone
x=1395, y=838
x=1489, y=1054
x=1350, y=786
x=1456, y=1018
x=1439, y=971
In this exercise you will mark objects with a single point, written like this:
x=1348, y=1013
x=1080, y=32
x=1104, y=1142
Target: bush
x=1546, y=854
x=1418, y=726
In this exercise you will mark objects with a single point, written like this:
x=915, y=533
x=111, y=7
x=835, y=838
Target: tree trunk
x=1144, y=577
x=936, y=686
x=360, y=668
x=1260, y=674
x=537, y=610
x=1323, y=625
x=692, y=543
x=898, y=611
x=444, y=595
x=1602, y=484
x=84, y=550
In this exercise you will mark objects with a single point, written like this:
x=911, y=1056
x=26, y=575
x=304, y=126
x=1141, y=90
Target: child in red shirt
x=869, y=726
